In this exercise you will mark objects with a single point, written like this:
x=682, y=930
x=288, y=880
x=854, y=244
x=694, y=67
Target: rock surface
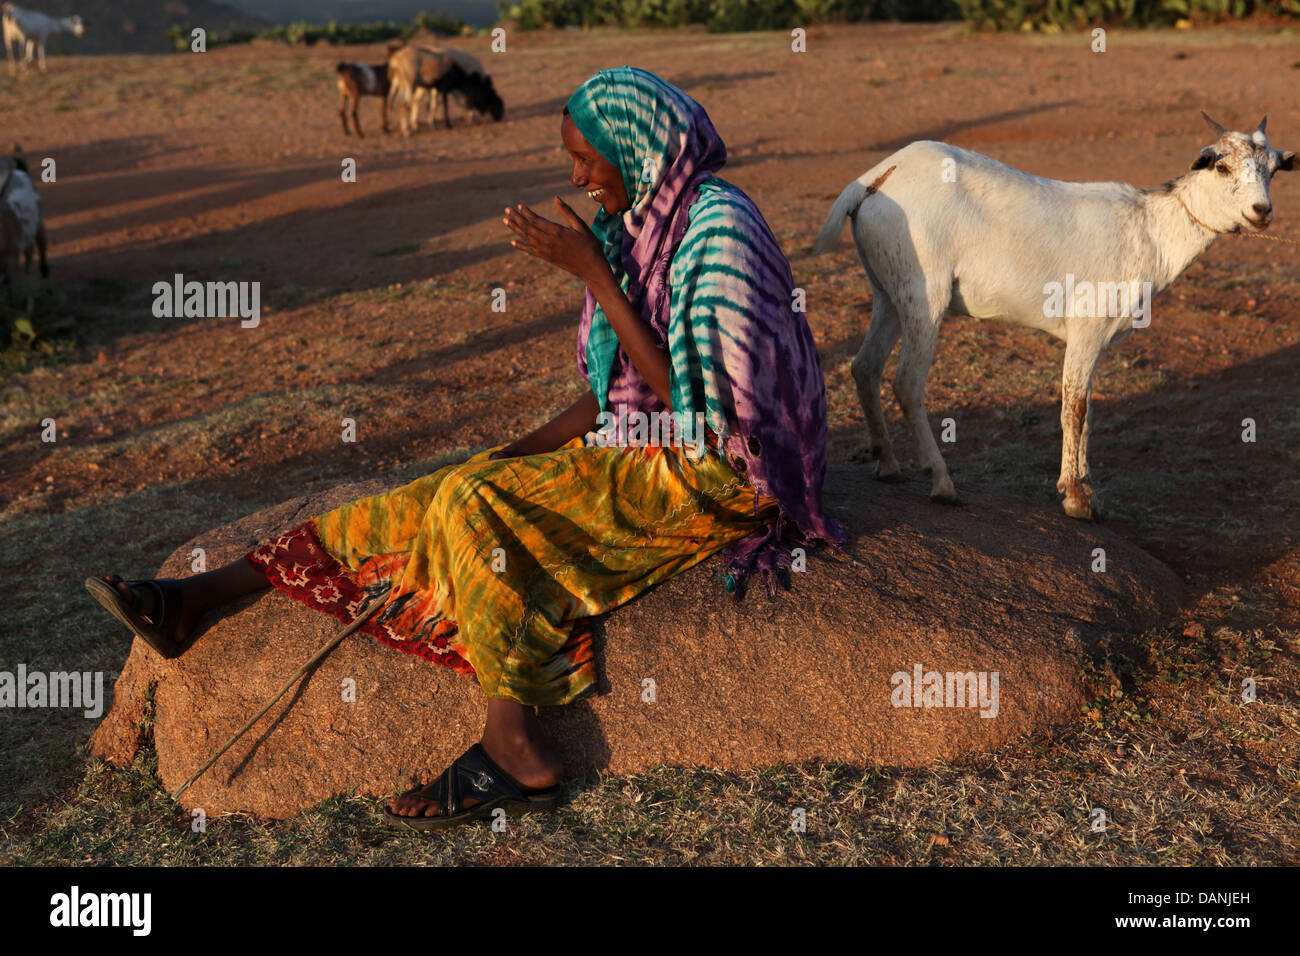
x=997, y=585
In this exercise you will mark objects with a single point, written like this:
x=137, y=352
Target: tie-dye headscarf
x=720, y=298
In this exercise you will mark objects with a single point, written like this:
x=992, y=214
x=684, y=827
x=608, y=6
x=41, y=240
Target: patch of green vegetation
x=335, y=34
x=34, y=326
x=402, y=250
x=1109, y=705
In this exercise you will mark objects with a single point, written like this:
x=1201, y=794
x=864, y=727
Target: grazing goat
x=939, y=229
x=21, y=228
x=357, y=80
x=31, y=29
x=471, y=65
x=413, y=68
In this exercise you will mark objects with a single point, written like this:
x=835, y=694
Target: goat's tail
x=345, y=67
x=850, y=199
x=848, y=203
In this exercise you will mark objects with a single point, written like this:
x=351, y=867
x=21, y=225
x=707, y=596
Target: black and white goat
x=21, y=227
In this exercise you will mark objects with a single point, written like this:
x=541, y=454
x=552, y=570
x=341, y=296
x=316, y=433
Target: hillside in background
x=474, y=12
x=139, y=26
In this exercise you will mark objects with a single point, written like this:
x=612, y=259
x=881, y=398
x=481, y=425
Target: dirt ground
x=377, y=306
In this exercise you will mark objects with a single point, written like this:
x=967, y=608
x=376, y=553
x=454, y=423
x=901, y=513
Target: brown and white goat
x=411, y=69
x=21, y=227
x=357, y=80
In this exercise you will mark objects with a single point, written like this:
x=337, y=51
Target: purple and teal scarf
x=697, y=259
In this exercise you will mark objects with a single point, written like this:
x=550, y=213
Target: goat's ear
x=1204, y=160
x=1286, y=161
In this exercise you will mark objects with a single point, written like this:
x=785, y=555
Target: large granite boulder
x=998, y=586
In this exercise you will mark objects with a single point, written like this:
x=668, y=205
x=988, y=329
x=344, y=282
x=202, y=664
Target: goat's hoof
x=952, y=500
x=1079, y=508
x=891, y=477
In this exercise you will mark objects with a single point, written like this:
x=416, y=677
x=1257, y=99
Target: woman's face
x=593, y=172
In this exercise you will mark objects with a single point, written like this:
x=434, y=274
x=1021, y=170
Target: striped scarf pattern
x=698, y=261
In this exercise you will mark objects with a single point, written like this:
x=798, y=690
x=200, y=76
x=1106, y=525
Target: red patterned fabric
x=297, y=564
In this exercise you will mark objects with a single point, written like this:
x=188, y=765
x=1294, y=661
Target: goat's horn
x=1262, y=124
x=1217, y=127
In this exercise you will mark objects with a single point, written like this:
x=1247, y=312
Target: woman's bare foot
x=514, y=740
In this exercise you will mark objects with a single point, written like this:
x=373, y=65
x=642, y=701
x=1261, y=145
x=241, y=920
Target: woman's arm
x=574, y=422
x=633, y=334
x=576, y=250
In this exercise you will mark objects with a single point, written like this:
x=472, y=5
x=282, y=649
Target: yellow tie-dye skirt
x=493, y=567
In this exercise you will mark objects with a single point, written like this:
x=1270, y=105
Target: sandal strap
x=159, y=615
x=167, y=601
x=472, y=774
x=502, y=783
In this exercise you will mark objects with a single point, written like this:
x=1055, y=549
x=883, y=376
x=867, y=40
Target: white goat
x=21, y=227
x=32, y=30
x=939, y=229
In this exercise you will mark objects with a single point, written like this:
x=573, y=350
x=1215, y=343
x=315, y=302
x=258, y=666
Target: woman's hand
x=574, y=248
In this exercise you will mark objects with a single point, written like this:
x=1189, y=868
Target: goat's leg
x=921, y=314
x=343, y=112
x=402, y=120
x=40, y=52
x=10, y=274
x=356, y=120
x=398, y=91
x=1085, y=470
x=446, y=116
x=383, y=113
x=40, y=247
x=415, y=108
x=868, y=367
x=1076, y=388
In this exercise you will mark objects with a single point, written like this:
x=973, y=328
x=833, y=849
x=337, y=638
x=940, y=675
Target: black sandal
x=475, y=774
x=167, y=608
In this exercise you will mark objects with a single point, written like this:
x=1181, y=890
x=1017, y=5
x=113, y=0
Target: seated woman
x=492, y=567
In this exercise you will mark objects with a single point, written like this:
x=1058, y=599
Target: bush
x=440, y=23
x=333, y=33
x=1056, y=15
x=180, y=38
x=738, y=15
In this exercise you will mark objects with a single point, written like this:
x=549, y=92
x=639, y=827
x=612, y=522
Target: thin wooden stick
x=334, y=642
